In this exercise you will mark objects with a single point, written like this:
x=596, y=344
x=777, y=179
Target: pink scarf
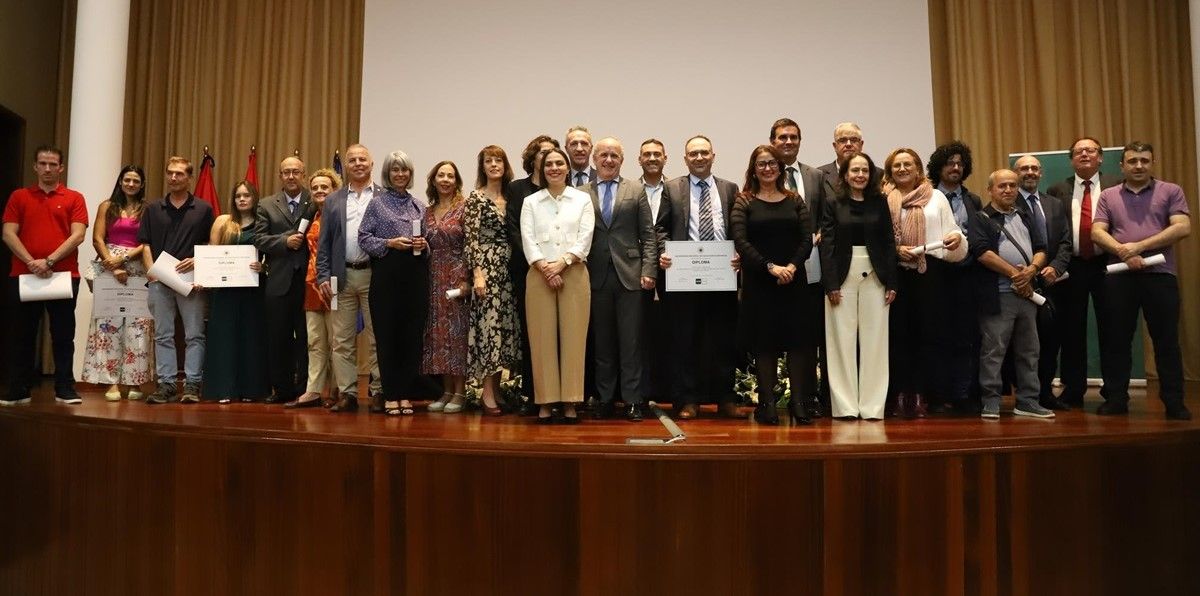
x=910, y=230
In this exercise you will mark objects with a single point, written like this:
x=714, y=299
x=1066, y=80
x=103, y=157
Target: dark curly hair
x=942, y=154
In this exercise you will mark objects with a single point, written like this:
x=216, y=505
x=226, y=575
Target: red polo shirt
x=45, y=220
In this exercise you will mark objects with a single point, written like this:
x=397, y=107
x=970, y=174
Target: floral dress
x=445, y=351
x=494, y=335
x=119, y=348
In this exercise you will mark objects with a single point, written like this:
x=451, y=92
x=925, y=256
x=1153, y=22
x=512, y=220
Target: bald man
x=1006, y=245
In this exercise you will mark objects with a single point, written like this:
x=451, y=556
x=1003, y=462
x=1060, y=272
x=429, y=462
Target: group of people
x=876, y=284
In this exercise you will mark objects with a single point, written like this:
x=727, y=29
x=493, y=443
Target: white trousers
x=858, y=327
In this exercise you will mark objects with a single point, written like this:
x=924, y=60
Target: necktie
x=706, y=218
x=1086, y=249
x=580, y=178
x=292, y=207
x=607, y=203
x=791, y=178
x=1039, y=216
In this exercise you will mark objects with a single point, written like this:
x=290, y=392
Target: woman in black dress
x=771, y=231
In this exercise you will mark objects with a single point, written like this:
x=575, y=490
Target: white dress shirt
x=654, y=197
x=553, y=226
x=799, y=179
x=715, y=204
x=356, y=206
x=1077, y=208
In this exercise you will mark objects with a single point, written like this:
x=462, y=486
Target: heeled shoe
x=919, y=407
x=798, y=413
x=395, y=408
x=496, y=411
x=766, y=413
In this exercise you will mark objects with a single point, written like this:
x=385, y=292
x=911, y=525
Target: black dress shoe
x=527, y=408
x=1178, y=412
x=1113, y=408
x=1074, y=401
x=815, y=410
x=602, y=411
x=274, y=398
x=546, y=419
x=375, y=406
x=1053, y=403
x=635, y=412
x=348, y=402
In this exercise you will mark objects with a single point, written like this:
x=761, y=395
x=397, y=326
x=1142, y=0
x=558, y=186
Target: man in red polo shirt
x=43, y=226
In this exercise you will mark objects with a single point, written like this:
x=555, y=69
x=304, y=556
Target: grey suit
x=287, y=332
x=331, y=244
x=623, y=251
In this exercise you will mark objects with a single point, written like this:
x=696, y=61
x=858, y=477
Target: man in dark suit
x=957, y=382
x=703, y=323
x=1079, y=195
x=579, y=148
x=1051, y=220
x=847, y=140
x=621, y=263
x=278, y=237
x=656, y=364
x=809, y=183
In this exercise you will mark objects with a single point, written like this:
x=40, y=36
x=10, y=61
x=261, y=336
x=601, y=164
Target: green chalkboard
x=1056, y=167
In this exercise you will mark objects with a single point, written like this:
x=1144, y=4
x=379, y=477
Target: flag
x=252, y=169
x=337, y=162
x=205, y=189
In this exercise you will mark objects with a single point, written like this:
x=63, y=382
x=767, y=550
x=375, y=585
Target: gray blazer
x=331, y=244
x=628, y=243
x=815, y=196
x=681, y=205
x=273, y=223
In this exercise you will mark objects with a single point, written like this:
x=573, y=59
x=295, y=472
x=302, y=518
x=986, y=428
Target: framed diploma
x=111, y=298
x=226, y=265
x=701, y=266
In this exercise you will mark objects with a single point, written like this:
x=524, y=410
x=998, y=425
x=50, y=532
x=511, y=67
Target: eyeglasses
x=848, y=140
x=1087, y=150
x=766, y=165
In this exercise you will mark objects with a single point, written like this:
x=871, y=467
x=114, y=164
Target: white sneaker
x=71, y=401
x=14, y=402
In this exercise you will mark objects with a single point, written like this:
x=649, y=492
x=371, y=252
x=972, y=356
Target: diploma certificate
x=226, y=265
x=701, y=266
x=111, y=298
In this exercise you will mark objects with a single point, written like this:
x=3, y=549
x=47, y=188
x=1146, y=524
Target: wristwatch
x=49, y=262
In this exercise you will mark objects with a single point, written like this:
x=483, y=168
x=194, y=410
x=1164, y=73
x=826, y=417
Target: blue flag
x=337, y=162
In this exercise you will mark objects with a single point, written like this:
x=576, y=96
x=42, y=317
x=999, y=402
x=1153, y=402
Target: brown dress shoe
x=348, y=402
x=687, y=411
x=728, y=410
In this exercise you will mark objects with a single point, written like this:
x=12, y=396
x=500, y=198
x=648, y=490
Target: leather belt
x=359, y=265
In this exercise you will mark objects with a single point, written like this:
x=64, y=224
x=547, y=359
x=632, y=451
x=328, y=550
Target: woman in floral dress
x=445, y=350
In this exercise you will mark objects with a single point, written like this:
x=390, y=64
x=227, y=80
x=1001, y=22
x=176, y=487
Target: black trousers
x=703, y=326
x=814, y=310
x=518, y=271
x=912, y=332
x=1156, y=295
x=655, y=346
x=399, y=299
x=616, y=327
x=25, y=319
x=955, y=331
x=287, y=333
x=1071, y=310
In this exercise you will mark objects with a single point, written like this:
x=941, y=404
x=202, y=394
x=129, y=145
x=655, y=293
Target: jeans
x=165, y=303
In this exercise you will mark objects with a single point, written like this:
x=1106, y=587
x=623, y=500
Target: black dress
x=235, y=353
x=778, y=233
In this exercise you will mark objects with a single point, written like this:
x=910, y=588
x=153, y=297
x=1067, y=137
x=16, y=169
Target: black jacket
x=836, y=249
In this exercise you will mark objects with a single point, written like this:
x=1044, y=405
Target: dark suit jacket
x=836, y=249
x=681, y=205
x=628, y=243
x=813, y=181
x=1065, y=191
x=833, y=184
x=1058, y=229
x=974, y=205
x=331, y=244
x=273, y=223
x=662, y=230
x=514, y=195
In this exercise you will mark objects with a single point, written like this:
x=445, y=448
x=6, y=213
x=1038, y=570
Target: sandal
x=395, y=408
x=440, y=404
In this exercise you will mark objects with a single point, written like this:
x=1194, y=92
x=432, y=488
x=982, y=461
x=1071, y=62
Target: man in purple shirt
x=1134, y=221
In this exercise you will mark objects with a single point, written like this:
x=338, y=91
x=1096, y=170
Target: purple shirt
x=1132, y=217
x=388, y=216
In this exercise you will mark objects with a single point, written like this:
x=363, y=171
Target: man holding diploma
x=43, y=226
x=175, y=224
x=1137, y=219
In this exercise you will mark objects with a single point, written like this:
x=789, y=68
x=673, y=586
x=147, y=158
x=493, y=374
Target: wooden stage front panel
x=129, y=499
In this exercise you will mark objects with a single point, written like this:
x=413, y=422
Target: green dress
x=235, y=364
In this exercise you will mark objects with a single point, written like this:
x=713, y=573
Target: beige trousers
x=861, y=317
x=320, y=333
x=558, y=323
x=351, y=300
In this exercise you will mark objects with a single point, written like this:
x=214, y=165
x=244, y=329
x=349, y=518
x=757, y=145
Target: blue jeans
x=165, y=303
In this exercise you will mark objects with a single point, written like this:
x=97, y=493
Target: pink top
x=123, y=232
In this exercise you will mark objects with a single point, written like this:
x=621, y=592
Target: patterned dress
x=445, y=350
x=494, y=336
x=119, y=348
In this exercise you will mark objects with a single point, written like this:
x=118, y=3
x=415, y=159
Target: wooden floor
x=471, y=432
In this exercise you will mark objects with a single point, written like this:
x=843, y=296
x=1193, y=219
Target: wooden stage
x=126, y=498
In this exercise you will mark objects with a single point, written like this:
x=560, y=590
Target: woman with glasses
x=771, y=231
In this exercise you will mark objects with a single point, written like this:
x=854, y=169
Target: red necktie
x=1086, y=249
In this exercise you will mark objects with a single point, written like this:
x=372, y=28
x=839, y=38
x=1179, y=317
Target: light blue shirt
x=957, y=205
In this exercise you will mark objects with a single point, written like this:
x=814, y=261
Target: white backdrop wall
x=443, y=78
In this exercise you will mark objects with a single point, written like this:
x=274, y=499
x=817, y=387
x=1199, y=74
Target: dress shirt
x=553, y=226
x=1077, y=206
x=718, y=214
x=654, y=197
x=390, y=216
x=958, y=204
x=795, y=167
x=356, y=207
x=574, y=179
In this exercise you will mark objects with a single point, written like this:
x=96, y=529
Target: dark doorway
x=12, y=166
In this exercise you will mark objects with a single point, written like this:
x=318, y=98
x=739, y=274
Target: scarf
x=910, y=230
